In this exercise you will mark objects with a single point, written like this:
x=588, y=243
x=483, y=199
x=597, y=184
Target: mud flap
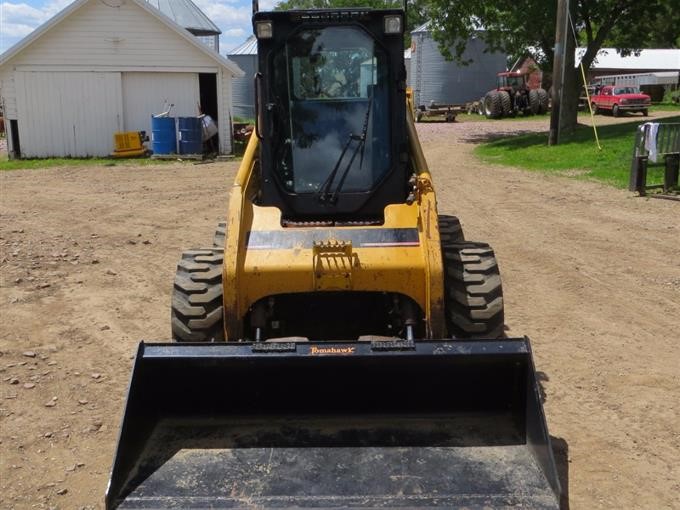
x=330, y=425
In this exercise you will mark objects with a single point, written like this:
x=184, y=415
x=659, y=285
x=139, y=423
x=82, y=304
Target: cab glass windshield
x=330, y=109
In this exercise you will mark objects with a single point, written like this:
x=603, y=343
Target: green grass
x=665, y=107
x=577, y=155
x=35, y=164
x=244, y=120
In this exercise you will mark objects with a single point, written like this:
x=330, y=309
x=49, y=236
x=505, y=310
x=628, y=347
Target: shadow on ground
x=497, y=135
x=560, y=448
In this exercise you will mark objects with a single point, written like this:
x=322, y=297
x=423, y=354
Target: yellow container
x=128, y=143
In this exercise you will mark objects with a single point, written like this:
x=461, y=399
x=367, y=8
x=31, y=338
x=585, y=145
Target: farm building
x=187, y=15
x=101, y=67
x=527, y=65
x=609, y=61
x=243, y=96
x=654, y=71
x=433, y=78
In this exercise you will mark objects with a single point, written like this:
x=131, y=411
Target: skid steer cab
x=331, y=111
x=341, y=344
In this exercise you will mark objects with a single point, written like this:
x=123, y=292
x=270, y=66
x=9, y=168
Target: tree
x=416, y=14
x=529, y=27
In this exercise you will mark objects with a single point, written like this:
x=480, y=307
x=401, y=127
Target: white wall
x=145, y=93
x=68, y=114
x=224, y=110
x=97, y=36
x=8, y=94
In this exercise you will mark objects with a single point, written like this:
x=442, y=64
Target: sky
x=18, y=19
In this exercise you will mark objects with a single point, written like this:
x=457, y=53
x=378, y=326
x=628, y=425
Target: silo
x=187, y=14
x=433, y=78
x=243, y=91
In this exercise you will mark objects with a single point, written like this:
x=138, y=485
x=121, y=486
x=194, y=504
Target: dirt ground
x=591, y=275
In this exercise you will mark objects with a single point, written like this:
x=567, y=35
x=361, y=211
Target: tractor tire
x=197, y=306
x=534, y=101
x=506, y=103
x=473, y=292
x=220, y=235
x=615, y=110
x=450, y=229
x=543, y=101
x=493, y=109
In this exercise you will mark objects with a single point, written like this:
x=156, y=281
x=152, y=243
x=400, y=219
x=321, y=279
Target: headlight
x=264, y=29
x=392, y=24
x=624, y=101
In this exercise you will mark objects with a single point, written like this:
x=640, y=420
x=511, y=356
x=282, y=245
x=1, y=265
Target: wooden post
x=561, y=32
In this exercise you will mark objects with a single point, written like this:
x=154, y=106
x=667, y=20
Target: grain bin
x=433, y=78
x=243, y=95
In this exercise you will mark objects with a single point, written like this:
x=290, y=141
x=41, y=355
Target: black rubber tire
x=492, y=105
x=473, y=291
x=615, y=111
x=506, y=103
x=419, y=115
x=534, y=101
x=220, y=235
x=543, y=101
x=645, y=112
x=450, y=229
x=197, y=305
x=596, y=110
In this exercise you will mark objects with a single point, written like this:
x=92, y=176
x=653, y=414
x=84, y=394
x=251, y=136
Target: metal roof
x=654, y=59
x=425, y=27
x=249, y=47
x=186, y=14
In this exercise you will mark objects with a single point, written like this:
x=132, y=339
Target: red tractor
x=512, y=96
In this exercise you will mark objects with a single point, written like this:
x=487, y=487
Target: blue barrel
x=163, y=137
x=190, y=135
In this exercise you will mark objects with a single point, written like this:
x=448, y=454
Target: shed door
x=68, y=113
x=146, y=94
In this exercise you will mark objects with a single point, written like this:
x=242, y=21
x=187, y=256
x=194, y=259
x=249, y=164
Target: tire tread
x=197, y=304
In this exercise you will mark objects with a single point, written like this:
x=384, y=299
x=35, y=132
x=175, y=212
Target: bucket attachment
x=384, y=424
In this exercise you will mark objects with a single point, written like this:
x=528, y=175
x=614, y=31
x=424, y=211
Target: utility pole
x=561, y=34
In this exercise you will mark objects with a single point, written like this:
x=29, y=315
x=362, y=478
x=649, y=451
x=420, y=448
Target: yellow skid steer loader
x=341, y=344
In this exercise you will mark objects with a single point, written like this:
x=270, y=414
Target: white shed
x=101, y=67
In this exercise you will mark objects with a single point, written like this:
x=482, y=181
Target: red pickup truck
x=620, y=98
